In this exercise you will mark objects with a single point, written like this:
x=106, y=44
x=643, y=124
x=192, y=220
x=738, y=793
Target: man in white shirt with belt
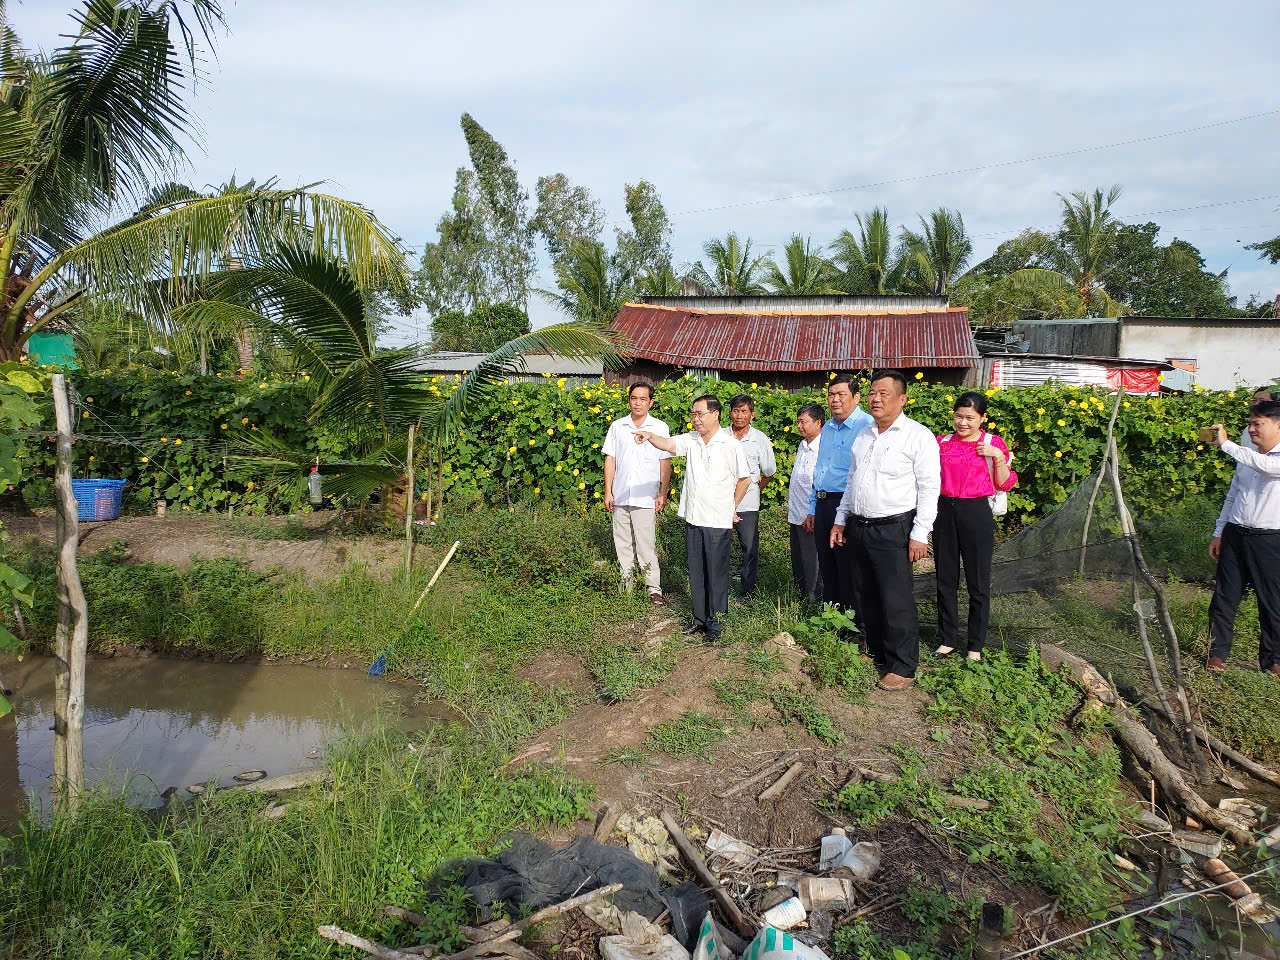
x=886, y=514
x=636, y=481
x=758, y=449
x=1246, y=540
x=804, y=545
x=715, y=481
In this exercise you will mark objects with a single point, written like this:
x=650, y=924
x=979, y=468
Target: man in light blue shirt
x=830, y=475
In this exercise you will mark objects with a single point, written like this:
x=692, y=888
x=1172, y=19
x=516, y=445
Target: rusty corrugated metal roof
x=782, y=341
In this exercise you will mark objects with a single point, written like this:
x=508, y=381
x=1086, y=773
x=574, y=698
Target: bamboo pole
x=1097, y=485
x=1190, y=742
x=71, y=647
x=408, y=507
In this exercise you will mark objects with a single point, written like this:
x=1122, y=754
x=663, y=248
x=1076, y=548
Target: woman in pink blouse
x=975, y=464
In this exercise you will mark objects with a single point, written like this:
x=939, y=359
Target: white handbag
x=1000, y=499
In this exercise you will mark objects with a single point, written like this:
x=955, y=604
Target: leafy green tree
x=733, y=270
x=454, y=274
x=486, y=328
x=662, y=282
x=18, y=410
x=1169, y=281
x=85, y=130
x=1267, y=249
x=565, y=214
x=868, y=261
x=935, y=258
x=647, y=245
x=804, y=271
x=593, y=284
x=507, y=203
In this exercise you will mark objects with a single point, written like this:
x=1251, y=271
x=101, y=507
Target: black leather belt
x=823, y=494
x=882, y=521
x=1254, y=531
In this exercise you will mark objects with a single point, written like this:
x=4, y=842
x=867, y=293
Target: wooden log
x=546, y=913
x=72, y=646
x=408, y=916
x=866, y=773
x=338, y=935
x=1136, y=738
x=742, y=786
x=966, y=803
x=1257, y=770
x=784, y=781
x=706, y=877
x=606, y=822
x=1220, y=873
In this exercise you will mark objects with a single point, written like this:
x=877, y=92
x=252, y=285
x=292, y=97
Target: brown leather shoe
x=1274, y=668
x=891, y=681
x=656, y=600
x=1215, y=665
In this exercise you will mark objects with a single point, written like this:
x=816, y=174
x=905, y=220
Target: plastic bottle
x=313, y=485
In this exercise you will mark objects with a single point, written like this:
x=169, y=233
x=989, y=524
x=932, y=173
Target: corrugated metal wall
x=1071, y=338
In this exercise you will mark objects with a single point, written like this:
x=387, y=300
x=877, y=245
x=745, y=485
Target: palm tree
x=85, y=130
x=936, y=257
x=662, y=282
x=734, y=271
x=807, y=272
x=313, y=306
x=1086, y=249
x=868, y=261
x=593, y=284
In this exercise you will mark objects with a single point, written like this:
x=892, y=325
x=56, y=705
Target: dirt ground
x=180, y=538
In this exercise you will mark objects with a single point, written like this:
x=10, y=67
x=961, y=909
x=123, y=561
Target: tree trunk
x=72, y=638
x=408, y=507
x=244, y=347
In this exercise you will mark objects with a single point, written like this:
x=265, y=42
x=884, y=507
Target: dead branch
x=338, y=935
x=1257, y=770
x=784, y=781
x=546, y=913
x=706, y=877
x=778, y=765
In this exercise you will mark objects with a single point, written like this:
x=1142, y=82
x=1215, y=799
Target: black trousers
x=804, y=563
x=836, y=565
x=964, y=531
x=708, y=552
x=1247, y=559
x=884, y=584
x=748, y=532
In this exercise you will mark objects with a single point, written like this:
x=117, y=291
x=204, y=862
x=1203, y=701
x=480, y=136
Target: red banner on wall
x=1135, y=379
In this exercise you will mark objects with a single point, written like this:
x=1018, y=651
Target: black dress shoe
x=693, y=628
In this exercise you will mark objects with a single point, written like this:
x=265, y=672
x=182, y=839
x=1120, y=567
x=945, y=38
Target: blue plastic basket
x=98, y=499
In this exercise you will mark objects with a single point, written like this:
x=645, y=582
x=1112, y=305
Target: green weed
x=798, y=706
x=621, y=671
x=626, y=756
x=692, y=734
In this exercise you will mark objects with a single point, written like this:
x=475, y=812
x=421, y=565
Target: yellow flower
x=950, y=398
x=164, y=439
x=919, y=376
x=992, y=425
x=190, y=487
x=550, y=431
x=223, y=427
x=786, y=429
x=1071, y=403
x=537, y=489
x=582, y=486
x=511, y=450
x=1057, y=453
x=754, y=386
x=91, y=457
x=533, y=443
x=306, y=376
x=595, y=446
x=597, y=494
x=575, y=471
x=830, y=376
x=1073, y=386
x=511, y=509
x=1199, y=446
x=1126, y=403
x=177, y=441
x=144, y=459
x=250, y=485
x=560, y=383
x=263, y=386
x=1062, y=423
x=569, y=426
x=90, y=399
x=559, y=467
x=188, y=393
x=244, y=421
x=85, y=415
x=991, y=392
x=1039, y=411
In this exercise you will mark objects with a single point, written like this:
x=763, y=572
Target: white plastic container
x=789, y=913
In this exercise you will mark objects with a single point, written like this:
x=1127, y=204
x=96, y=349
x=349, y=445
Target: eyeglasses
x=698, y=415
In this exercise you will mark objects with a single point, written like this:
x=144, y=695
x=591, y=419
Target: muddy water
x=153, y=723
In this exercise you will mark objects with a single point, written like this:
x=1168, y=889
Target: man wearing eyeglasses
x=716, y=478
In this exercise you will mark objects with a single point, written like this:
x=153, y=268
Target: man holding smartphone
x=1246, y=540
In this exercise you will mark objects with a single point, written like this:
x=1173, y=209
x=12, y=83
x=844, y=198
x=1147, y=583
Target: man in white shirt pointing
x=636, y=480
x=886, y=514
x=716, y=478
x=1246, y=540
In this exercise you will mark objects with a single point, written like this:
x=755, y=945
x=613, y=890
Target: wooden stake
x=784, y=781
x=72, y=638
x=436, y=576
x=706, y=877
x=408, y=507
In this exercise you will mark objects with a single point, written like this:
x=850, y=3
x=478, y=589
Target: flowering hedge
x=541, y=441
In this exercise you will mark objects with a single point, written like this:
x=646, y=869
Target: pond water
x=154, y=723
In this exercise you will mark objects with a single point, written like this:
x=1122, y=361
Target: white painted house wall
x=1227, y=353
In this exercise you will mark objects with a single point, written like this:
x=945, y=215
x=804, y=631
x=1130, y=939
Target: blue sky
x=736, y=104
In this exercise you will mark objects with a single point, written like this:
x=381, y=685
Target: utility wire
x=1134, y=913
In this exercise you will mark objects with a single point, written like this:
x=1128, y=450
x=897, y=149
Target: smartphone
x=1206, y=434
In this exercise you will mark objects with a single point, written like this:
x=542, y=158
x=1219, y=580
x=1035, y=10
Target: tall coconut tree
x=869, y=261
x=732, y=270
x=934, y=258
x=804, y=270
x=86, y=130
x=1087, y=247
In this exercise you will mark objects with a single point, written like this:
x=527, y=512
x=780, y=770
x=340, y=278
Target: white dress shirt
x=802, y=480
x=1253, y=499
x=711, y=474
x=758, y=449
x=894, y=471
x=637, y=471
